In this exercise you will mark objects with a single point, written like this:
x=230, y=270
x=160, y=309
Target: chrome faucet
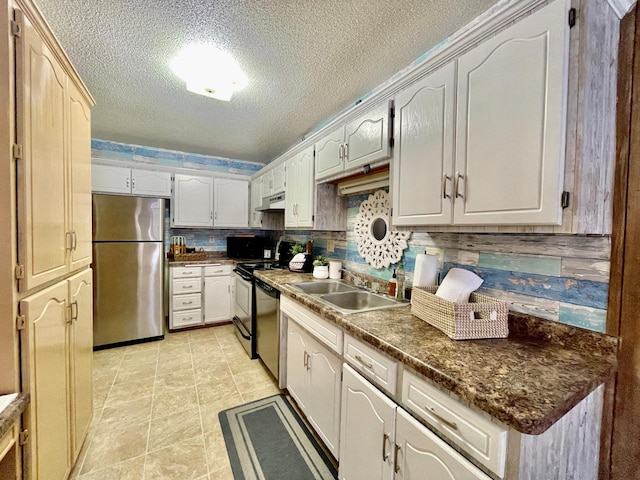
x=357, y=281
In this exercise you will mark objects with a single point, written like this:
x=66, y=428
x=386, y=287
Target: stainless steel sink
x=345, y=297
x=321, y=287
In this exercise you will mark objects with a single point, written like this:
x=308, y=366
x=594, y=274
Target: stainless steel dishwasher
x=267, y=312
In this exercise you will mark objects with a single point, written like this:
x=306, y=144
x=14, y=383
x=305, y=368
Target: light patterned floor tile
x=212, y=392
x=132, y=469
x=126, y=392
x=168, y=401
x=179, y=426
x=183, y=460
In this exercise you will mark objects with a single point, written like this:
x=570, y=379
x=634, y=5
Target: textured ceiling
x=306, y=61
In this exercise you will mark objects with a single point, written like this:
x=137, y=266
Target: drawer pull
x=448, y=423
x=187, y=303
x=187, y=318
x=187, y=273
x=396, y=466
x=364, y=364
x=385, y=455
x=187, y=286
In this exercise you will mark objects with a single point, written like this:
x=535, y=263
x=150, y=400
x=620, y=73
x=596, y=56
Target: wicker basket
x=482, y=317
x=187, y=257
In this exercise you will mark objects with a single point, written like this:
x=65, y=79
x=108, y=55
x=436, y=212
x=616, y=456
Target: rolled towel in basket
x=426, y=270
x=458, y=285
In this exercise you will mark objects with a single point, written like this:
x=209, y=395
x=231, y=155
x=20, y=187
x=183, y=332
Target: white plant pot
x=321, y=271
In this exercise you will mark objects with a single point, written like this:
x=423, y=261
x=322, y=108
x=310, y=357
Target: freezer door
x=127, y=292
x=119, y=218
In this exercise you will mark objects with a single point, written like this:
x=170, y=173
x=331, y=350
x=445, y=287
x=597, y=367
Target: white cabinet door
x=255, y=218
x=420, y=451
x=108, y=179
x=230, y=203
x=298, y=364
x=324, y=394
x=367, y=430
x=304, y=188
x=192, y=201
x=290, y=218
x=278, y=179
x=150, y=183
x=510, y=123
x=367, y=137
x=329, y=154
x=217, y=299
x=423, y=152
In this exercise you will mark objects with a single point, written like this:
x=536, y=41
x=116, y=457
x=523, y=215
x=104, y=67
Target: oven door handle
x=241, y=328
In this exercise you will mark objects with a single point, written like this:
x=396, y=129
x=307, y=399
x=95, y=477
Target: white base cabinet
x=314, y=381
x=379, y=440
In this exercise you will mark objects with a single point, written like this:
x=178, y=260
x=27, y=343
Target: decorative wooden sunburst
x=385, y=246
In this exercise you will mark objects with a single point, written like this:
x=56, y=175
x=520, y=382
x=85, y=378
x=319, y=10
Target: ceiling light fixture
x=209, y=71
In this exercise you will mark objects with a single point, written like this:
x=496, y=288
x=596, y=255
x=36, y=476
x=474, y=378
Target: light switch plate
x=267, y=253
x=212, y=239
x=331, y=245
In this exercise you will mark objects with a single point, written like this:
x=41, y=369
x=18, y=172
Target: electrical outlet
x=212, y=239
x=331, y=245
x=438, y=253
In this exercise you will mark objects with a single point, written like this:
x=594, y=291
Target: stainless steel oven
x=243, y=310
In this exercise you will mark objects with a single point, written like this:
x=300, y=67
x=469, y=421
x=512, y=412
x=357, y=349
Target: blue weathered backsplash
x=558, y=277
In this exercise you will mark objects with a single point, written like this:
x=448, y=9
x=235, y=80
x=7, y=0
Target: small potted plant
x=320, y=267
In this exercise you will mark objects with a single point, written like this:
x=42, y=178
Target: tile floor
x=156, y=407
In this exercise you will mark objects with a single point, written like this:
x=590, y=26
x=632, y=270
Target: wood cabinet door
x=304, y=188
x=255, y=218
x=290, y=198
x=45, y=376
x=230, y=203
x=109, y=179
x=367, y=430
x=421, y=450
x=150, y=183
x=367, y=137
x=329, y=159
x=79, y=178
x=423, y=152
x=324, y=394
x=192, y=201
x=217, y=299
x=511, y=123
x=298, y=364
x=41, y=97
x=81, y=357
x=278, y=179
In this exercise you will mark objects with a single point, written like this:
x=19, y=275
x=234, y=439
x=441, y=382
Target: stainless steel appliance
x=243, y=308
x=128, y=269
x=267, y=325
x=248, y=247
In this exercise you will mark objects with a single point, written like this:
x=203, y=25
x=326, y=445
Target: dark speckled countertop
x=10, y=414
x=528, y=381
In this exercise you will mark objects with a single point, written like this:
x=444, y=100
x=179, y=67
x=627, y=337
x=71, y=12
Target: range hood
x=271, y=204
x=364, y=183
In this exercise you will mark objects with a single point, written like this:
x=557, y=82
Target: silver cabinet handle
x=187, y=303
x=448, y=423
x=385, y=455
x=187, y=286
x=365, y=364
x=75, y=239
x=211, y=215
x=188, y=318
x=346, y=151
x=69, y=240
x=133, y=184
x=444, y=185
x=128, y=184
x=187, y=273
x=396, y=467
x=457, y=185
x=341, y=152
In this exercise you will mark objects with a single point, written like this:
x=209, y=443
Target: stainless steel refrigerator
x=128, y=269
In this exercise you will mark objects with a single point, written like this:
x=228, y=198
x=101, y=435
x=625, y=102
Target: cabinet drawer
x=477, y=435
x=215, y=270
x=186, y=272
x=378, y=368
x=184, y=302
x=186, y=318
x=327, y=333
x=187, y=285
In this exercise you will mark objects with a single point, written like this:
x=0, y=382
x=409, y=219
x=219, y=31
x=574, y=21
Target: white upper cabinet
x=130, y=181
x=503, y=163
x=360, y=142
x=150, y=183
x=255, y=218
x=299, y=193
x=230, y=203
x=511, y=123
x=423, y=151
x=192, y=201
x=273, y=181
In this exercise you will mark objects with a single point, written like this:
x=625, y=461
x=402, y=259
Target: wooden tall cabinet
x=47, y=291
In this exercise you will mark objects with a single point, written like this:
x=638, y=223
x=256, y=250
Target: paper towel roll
x=426, y=271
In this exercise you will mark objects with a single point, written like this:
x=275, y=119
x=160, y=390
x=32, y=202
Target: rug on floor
x=266, y=439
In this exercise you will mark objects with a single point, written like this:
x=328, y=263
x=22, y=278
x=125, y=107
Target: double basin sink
x=346, y=297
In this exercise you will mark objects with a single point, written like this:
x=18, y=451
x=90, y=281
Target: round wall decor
x=377, y=243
